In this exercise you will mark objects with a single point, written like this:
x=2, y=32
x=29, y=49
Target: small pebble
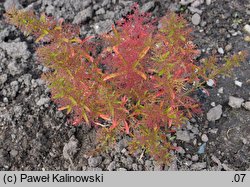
x=228, y=47
x=235, y=102
x=195, y=158
x=208, y=2
x=247, y=38
x=204, y=138
x=246, y=105
x=221, y=50
x=238, y=83
x=202, y=148
x=247, y=29
x=221, y=90
x=196, y=19
x=210, y=82
x=213, y=104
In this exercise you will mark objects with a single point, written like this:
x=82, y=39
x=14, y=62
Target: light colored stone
x=196, y=19
x=235, y=102
x=210, y=82
x=204, y=138
x=214, y=113
x=246, y=28
x=208, y=2
x=246, y=105
x=221, y=50
x=238, y=83
x=183, y=136
x=186, y=2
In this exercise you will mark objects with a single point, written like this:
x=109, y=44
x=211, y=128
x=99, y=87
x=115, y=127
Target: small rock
x=149, y=165
x=238, y=83
x=83, y=16
x=42, y=101
x=247, y=38
x=13, y=153
x=213, y=104
x=3, y=78
x=16, y=49
x=216, y=160
x=208, y=2
x=106, y=2
x=173, y=166
x=210, y=82
x=70, y=148
x=180, y=150
x=111, y=166
x=186, y=2
x=94, y=161
x=235, y=102
x=103, y=26
x=195, y=10
x=202, y=149
x=198, y=166
x=204, y=138
x=214, y=113
x=134, y=167
x=196, y=19
x=246, y=28
x=221, y=50
x=183, y=136
x=5, y=100
x=12, y=4
x=228, y=47
x=14, y=68
x=221, y=90
x=197, y=3
x=195, y=158
x=246, y=105
x=148, y=6
x=123, y=143
x=121, y=169
x=100, y=11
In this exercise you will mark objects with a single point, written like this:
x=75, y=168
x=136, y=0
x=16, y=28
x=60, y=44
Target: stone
x=196, y=19
x=103, y=26
x=42, y=101
x=229, y=47
x=186, y=2
x=70, y=148
x=83, y=16
x=210, y=82
x=16, y=49
x=8, y=4
x=111, y=166
x=195, y=158
x=235, y=102
x=221, y=90
x=100, y=11
x=246, y=28
x=197, y=3
x=221, y=50
x=208, y=2
x=148, y=6
x=246, y=105
x=199, y=166
x=214, y=113
x=238, y=83
x=183, y=136
x=3, y=78
x=94, y=161
x=14, y=153
x=204, y=138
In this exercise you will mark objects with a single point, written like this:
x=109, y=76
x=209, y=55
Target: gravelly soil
x=35, y=136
